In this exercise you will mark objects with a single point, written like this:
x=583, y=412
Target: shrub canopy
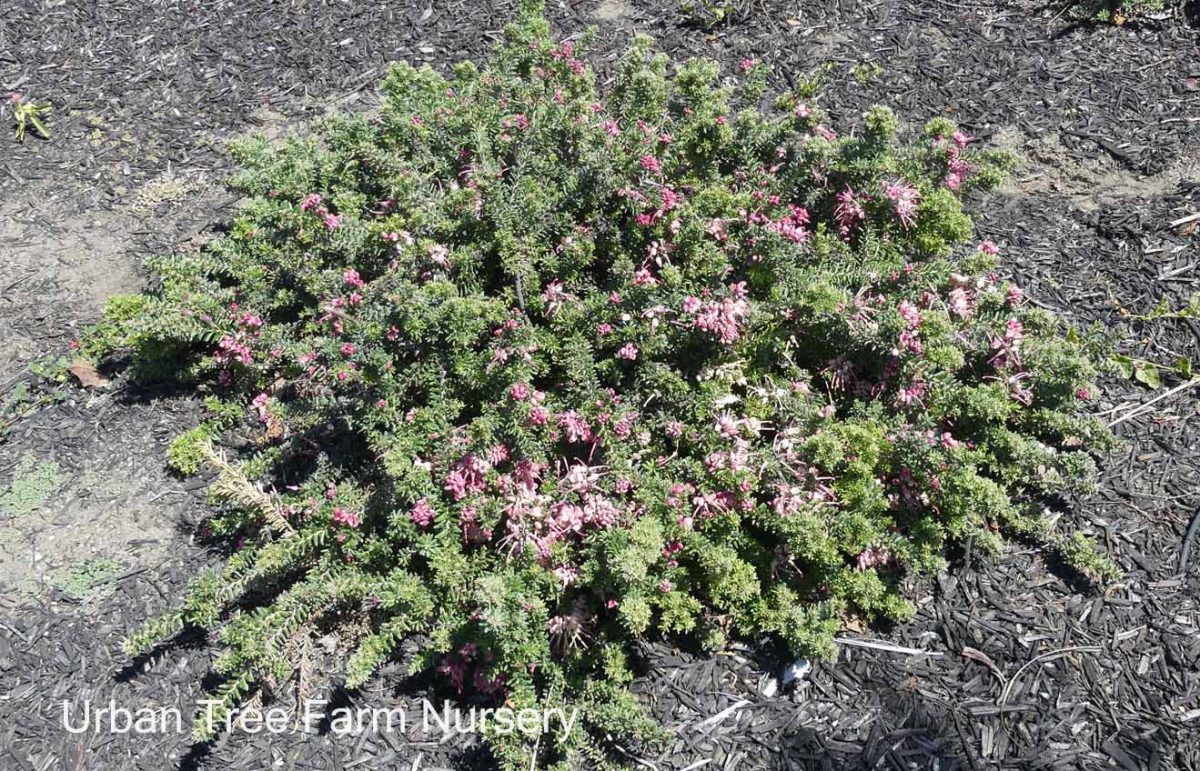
x=530, y=372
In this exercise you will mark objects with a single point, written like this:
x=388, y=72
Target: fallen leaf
x=85, y=372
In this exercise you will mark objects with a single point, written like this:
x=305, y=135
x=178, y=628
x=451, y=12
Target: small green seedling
x=28, y=114
x=87, y=579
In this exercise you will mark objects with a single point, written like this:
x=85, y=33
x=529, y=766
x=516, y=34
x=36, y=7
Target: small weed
x=52, y=368
x=87, y=579
x=32, y=484
x=707, y=14
x=1117, y=12
x=865, y=72
x=27, y=114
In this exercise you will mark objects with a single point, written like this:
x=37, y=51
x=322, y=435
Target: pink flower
x=230, y=349
x=310, y=202
x=345, y=517
x=665, y=586
x=643, y=277
x=629, y=352
x=650, y=163
x=872, y=556
x=422, y=513
x=905, y=198
x=260, y=405
x=906, y=397
x=538, y=416
x=747, y=64
x=554, y=296
x=351, y=278
x=1083, y=394
x=727, y=426
x=332, y=221
x=519, y=392
x=989, y=247
x=576, y=427
x=1008, y=348
x=348, y=349
x=910, y=340
x=959, y=170
x=723, y=319
x=791, y=225
x=962, y=139
x=960, y=302
x=849, y=210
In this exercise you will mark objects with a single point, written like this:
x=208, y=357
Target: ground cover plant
x=534, y=370
x=1118, y=11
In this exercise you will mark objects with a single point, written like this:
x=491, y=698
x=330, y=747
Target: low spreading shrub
x=527, y=372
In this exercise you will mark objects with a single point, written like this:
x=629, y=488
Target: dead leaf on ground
x=85, y=372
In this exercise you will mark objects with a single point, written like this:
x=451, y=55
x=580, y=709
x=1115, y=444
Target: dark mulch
x=1031, y=668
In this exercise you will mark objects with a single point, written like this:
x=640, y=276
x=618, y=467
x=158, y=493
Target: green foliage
x=81, y=582
x=531, y=371
x=28, y=115
x=710, y=14
x=32, y=483
x=1116, y=11
x=188, y=451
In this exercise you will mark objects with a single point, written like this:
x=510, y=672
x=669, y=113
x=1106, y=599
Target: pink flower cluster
x=231, y=349
x=1008, y=347
x=313, y=203
x=565, y=53
x=872, y=556
x=910, y=338
x=650, y=164
x=849, y=210
x=957, y=169
x=345, y=517
x=792, y=224
x=422, y=513
x=904, y=198
x=724, y=319
x=537, y=520
x=467, y=477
